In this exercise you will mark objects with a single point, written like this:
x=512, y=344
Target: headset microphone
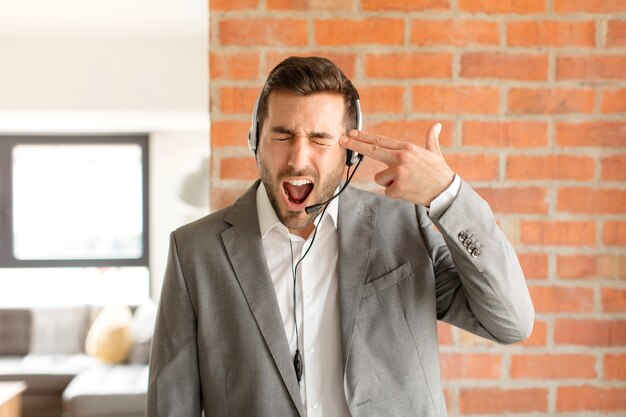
x=310, y=209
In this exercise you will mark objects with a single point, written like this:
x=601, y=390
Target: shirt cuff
x=443, y=200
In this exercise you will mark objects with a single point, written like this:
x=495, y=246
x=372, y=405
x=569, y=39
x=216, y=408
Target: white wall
x=103, y=74
x=70, y=77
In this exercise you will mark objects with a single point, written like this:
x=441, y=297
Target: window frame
x=7, y=144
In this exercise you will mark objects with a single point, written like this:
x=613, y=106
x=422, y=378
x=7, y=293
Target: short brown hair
x=305, y=76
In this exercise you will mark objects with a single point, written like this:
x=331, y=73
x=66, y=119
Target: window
x=74, y=202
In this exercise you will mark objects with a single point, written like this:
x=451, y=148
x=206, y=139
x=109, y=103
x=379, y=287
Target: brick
x=403, y=5
x=238, y=168
x=413, y=131
x=468, y=339
x=614, y=167
x=612, y=266
x=229, y=133
x=603, y=134
x=591, y=67
x=550, y=101
x=237, y=66
x=614, y=233
x=589, y=398
x=615, y=366
x=551, y=33
x=311, y=5
x=534, y=265
x=444, y=332
x=503, y=6
x=551, y=167
x=408, y=65
x=263, y=32
x=426, y=32
x=613, y=300
x=553, y=366
x=616, y=33
x=613, y=101
x=588, y=267
x=509, y=134
x=224, y=197
x=461, y=100
x=504, y=66
x=470, y=366
x=238, y=99
x=227, y=5
x=474, y=167
x=589, y=6
x=382, y=99
x=591, y=201
x=558, y=233
x=590, y=332
x=576, y=266
x=501, y=401
x=340, y=32
x=562, y=299
x=516, y=199
x=539, y=336
x=345, y=62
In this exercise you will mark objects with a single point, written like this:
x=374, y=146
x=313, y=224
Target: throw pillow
x=142, y=327
x=109, y=339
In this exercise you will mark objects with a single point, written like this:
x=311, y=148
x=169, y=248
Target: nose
x=299, y=153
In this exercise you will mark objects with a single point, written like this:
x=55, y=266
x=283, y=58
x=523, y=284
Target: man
x=268, y=310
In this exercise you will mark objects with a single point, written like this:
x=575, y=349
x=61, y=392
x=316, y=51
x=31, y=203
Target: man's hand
x=413, y=174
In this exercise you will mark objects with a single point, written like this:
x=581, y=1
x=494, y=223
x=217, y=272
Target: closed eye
x=281, y=136
x=321, y=138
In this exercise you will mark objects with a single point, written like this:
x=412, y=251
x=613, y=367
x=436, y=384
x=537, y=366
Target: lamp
x=194, y=189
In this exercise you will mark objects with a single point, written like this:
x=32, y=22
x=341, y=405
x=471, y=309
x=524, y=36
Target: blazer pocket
x=388, y=280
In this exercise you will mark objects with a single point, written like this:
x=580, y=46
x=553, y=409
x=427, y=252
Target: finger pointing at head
x=373, y=146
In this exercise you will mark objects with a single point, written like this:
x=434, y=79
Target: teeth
x=299, y=182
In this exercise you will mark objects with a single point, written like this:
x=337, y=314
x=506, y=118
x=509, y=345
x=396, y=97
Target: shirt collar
x=268, y=219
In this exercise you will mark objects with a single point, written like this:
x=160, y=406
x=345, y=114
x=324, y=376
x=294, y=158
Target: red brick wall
x=532, y=96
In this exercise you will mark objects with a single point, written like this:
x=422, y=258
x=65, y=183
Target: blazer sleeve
x=174, y=382
x=480, y=286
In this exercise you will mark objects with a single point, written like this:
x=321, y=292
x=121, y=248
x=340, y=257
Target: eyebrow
x=283, y=129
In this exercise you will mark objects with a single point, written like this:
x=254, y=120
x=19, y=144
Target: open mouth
x=297, y=191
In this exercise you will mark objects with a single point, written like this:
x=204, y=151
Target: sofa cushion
x=59, y=330
x=44, y=374
x=15, y=325
x=107, y=391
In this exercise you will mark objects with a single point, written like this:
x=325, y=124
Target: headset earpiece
x=351, y=156
x=253, y=133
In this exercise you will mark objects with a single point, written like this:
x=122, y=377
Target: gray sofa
x=44, y=347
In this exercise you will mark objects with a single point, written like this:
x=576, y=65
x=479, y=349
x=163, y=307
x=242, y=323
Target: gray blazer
x=220, y=345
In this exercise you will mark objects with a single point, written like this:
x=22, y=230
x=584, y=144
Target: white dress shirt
x=317, y=299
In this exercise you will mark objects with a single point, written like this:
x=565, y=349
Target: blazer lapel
x=245, y=250
x=356, y=228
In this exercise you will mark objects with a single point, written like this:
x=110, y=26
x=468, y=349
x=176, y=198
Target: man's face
x=299, y=157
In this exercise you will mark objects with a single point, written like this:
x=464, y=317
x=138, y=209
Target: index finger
x=378, y=140
x=371, y=150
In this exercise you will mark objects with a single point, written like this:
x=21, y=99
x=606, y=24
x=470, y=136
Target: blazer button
x=476, y=253
x=462, y=236
x=467, y=242
x=471, y=247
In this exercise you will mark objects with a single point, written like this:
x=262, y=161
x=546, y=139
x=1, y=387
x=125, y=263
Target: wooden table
x=11, y=398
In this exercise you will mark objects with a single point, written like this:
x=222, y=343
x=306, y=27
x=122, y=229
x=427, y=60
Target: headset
x=253, y=134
